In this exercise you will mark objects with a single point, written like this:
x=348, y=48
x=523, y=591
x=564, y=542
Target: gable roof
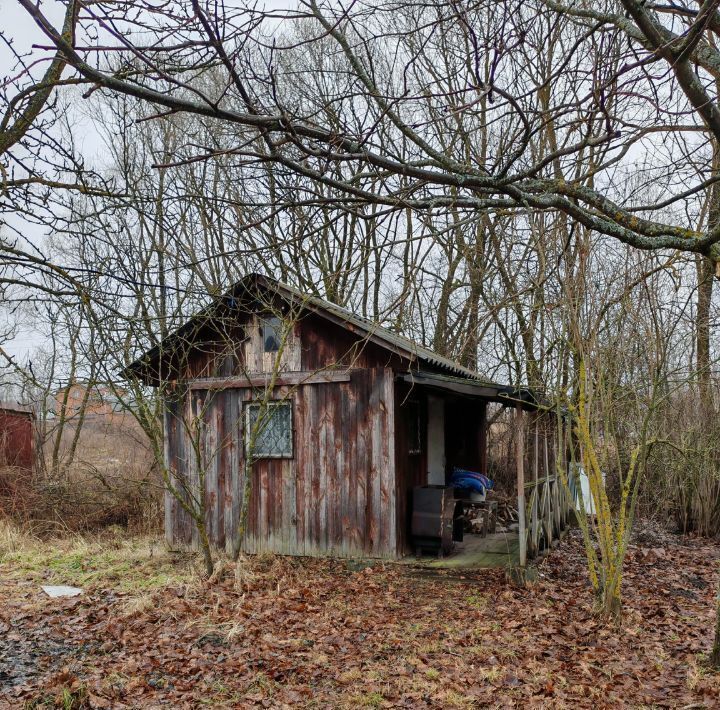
x=369, y=329
x=252, y=284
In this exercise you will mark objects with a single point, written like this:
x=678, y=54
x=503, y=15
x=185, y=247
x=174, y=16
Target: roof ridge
x=381, y=331
x=384, y=337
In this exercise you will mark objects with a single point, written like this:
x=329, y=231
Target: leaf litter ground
x=288, y=632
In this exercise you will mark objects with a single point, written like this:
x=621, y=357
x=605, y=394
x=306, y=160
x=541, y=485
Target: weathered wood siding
x=17, y=439
x=256, y=360
x=336, y=496
x=241, y=352
x=346, y=491
x=313, y=345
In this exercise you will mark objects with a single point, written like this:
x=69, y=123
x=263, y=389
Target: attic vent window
x=270, y=329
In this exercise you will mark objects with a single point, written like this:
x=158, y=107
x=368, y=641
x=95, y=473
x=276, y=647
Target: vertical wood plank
x=347, y=464
x=324, y=446
x=362, y=418
x=221, y=458
x=192, y=459
x=182, y=520
x=390, y=483
x=373, y=543
x=293, y=351
x=241, y=453
x=315, y=464
x=332, y=499
x=262, y=515
x=310, y=475
x=300, y=462
x=210, y=465
x=231, y=463
x=289, y=515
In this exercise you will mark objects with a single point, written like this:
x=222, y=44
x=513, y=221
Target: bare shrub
x=684, y=480
x=112, y=481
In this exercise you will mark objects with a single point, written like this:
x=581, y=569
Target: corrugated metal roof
x=506, y=394
x=372, y=328
x=7, y=406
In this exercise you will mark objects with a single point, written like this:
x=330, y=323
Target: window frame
x=276, y=323
x=248, y=405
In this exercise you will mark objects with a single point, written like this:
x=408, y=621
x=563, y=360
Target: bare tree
x=413, y=136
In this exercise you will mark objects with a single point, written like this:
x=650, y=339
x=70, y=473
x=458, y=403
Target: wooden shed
x=355, y=417
x=17, y=436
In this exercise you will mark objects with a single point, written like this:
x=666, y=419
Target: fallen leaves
x=294, y=632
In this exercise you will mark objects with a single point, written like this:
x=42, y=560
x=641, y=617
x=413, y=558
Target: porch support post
x=520, y=466
x=483, y=436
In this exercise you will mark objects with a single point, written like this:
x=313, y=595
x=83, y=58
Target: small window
x=412, y=418
x=274, y=435
x=270, y=330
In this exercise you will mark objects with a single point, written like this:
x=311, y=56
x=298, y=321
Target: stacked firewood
x=497, y=514
x=473, y=519
x=506, y=513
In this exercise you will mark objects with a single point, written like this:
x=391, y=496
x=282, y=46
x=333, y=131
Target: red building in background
x=17, y=436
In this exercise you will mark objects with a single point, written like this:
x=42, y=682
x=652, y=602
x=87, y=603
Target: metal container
x=433, y=519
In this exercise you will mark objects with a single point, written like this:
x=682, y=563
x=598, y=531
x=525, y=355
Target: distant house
x=97, y=399
x=359, y=416
x=17, y=436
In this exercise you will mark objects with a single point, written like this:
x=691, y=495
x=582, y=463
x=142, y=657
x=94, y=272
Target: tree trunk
x=610, y=602
x=245, y=504
x=205, y=547
x=706, y=272
x=705, y=277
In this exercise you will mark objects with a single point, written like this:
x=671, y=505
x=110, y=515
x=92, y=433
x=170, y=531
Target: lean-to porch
x=444, y=424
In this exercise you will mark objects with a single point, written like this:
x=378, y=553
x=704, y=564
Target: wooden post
x=564, y=455
x=520, y=465
x=483, y=435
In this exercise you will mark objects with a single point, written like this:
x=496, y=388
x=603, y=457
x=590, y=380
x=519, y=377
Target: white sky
x=15, y=23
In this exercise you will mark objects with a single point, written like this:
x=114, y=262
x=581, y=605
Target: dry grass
x=136, y=565
x=13, y=539
x=140, y=604
x=245, y=576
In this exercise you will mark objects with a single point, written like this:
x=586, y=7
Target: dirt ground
x=149, y=632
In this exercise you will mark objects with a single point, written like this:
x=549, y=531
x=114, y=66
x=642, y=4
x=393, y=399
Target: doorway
x=436, y=441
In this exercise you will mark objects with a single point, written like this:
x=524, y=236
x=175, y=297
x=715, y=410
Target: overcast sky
x=16, y=24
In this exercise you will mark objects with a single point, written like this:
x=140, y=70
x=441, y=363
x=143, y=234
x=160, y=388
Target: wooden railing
x=547, y=513
x=544, y=503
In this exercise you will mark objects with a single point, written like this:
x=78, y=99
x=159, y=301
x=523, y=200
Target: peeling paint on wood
x=346, y=489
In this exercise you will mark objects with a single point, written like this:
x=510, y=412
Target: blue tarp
x=471, y=480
